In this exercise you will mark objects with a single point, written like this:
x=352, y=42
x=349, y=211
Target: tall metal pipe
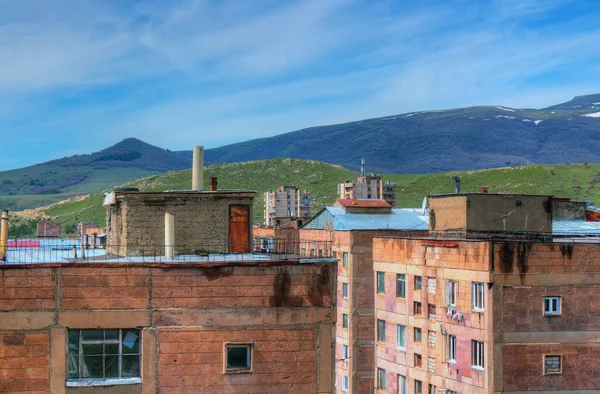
x=3, y=235
x=198, y=168
x=169, y=235
x=457, y=181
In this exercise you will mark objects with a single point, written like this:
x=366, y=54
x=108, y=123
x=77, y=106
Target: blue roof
x=575, y=227
x=337, y=218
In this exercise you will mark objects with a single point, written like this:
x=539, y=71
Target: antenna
x=362, y=167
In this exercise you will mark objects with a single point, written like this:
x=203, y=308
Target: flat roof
x=488, y=194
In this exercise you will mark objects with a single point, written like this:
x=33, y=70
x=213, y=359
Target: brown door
x=239, y=225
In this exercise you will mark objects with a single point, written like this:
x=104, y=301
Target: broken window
x=401, y=285
x=238, y=357
x=477, y=293
x=551, y=305
x=380, y=282
x=552, y=364
x=477, y=354
x=103, y=354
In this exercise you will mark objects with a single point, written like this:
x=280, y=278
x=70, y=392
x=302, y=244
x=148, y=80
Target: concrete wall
x=568, y=210
x=525, y=274
x=186, y=313
x=462, y=262
x=201, y=221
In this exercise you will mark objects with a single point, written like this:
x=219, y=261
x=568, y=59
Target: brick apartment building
x=491, y=302
x=350, y=226
x=287, y=204
x=368, y=187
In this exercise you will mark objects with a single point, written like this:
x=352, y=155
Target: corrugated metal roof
x=575, y=227
x=337, y=218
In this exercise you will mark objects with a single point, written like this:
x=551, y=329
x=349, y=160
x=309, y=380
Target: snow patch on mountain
x=537, y=122
x=593, y=115
x=504, y=116
x=506, y=109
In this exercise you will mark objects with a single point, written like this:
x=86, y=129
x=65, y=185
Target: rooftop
x=363, y=203
x=337, y=218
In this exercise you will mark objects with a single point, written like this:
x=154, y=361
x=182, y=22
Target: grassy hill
x=577, y=181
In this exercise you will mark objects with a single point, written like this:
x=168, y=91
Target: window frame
x=402, y=384
x=420, y=334
x=478, y=296
x=380, y=282
x=418, y=387
x=344, y=352
x=399, y=336
x=451, y=349
x=81, y=380
x=429, y=286
x=544, y=364
x=381, y=330
x=551, y=311
x=345, y=383
x=381, y=379
x=416, y=306
x=249, y=357
x=345, y=290
x=477, y=355
x=430, y=315
x=345, y=320
x=451, y=293
x=345, y=259
x=418, y=360
x=418, y=280
x=432, y=389
x=401, y=286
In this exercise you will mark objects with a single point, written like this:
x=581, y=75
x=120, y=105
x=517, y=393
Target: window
x=477, y=292
x=381, y=379
x=334, y=254
x=451, y=290
x=451, y=348
x=418, y=387
x=345, y=259
x=431, y=285
x=380, y=282
x=418, y=308
x=344, y=352
x=432, y=389
x=551, y=305
x=401, y=286
x=418, y=283
x=431, y=364
x=103, y=354
x=303, y=252
x=400, y=337
x=238, y=357
x=312, y=253
x=380, y=330
x=345, y=320
x=401, y=384
x=431, y=339
x=552, y=364
x=345, y=383
x=320, y=253
x=451, y=392
x=477, y=354
x=418, y=360
x=345, y=290
x=417, y=334
x=431, y=311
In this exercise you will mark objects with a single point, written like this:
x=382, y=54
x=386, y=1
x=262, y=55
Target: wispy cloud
x=183, y=71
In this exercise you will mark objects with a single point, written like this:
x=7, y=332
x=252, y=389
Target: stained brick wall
x=27, y=290
x=24, y=362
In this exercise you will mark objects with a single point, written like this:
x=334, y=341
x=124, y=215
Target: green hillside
x=578, y=181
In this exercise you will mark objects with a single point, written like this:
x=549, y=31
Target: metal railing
x=72, y=250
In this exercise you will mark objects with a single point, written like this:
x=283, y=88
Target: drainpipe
x=169, y=235
x=3, y=235
x=198, y=168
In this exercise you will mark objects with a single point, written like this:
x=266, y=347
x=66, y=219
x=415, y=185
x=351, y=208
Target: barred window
x=103, y=354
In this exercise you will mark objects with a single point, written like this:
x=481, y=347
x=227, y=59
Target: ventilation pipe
x=3, y=235
x=457, y=181
x=213, y=184
x=198, y=168
x=169, y=235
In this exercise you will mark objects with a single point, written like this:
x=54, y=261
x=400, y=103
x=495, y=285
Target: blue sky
x=79, y=75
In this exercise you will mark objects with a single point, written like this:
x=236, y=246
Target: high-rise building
x=286, y=204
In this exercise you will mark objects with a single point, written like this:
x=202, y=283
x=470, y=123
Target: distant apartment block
x=368, y=187
x=46, y=229
x=287, y=204
x=498, y=299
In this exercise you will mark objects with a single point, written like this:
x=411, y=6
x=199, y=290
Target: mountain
x=578, y=181
x=433, y=141
x=58, y=179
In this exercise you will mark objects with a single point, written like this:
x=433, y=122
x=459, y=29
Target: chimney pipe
x=198, y=168
x=169, y=235
x=3, y=235
x=213, y=184
x=457, y=180
x=362, y=167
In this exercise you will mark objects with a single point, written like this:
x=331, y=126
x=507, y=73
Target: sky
x=77, y=76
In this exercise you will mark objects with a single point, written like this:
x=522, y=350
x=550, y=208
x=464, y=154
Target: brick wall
x=24, y=362
x=27, y=290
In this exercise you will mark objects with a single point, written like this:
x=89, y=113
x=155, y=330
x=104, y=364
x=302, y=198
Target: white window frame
x=478, y=296
x=249, y=358
x=345, y=383
x=400, y=328
x=345, y=259
x=345, y=290
x=452, y=349
x=402, y=387
x=380, y=282
x=451, y=293
x=401, y=278
x=552, y=305
x=344, y=352
x=381, y=383
x=477, y=355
